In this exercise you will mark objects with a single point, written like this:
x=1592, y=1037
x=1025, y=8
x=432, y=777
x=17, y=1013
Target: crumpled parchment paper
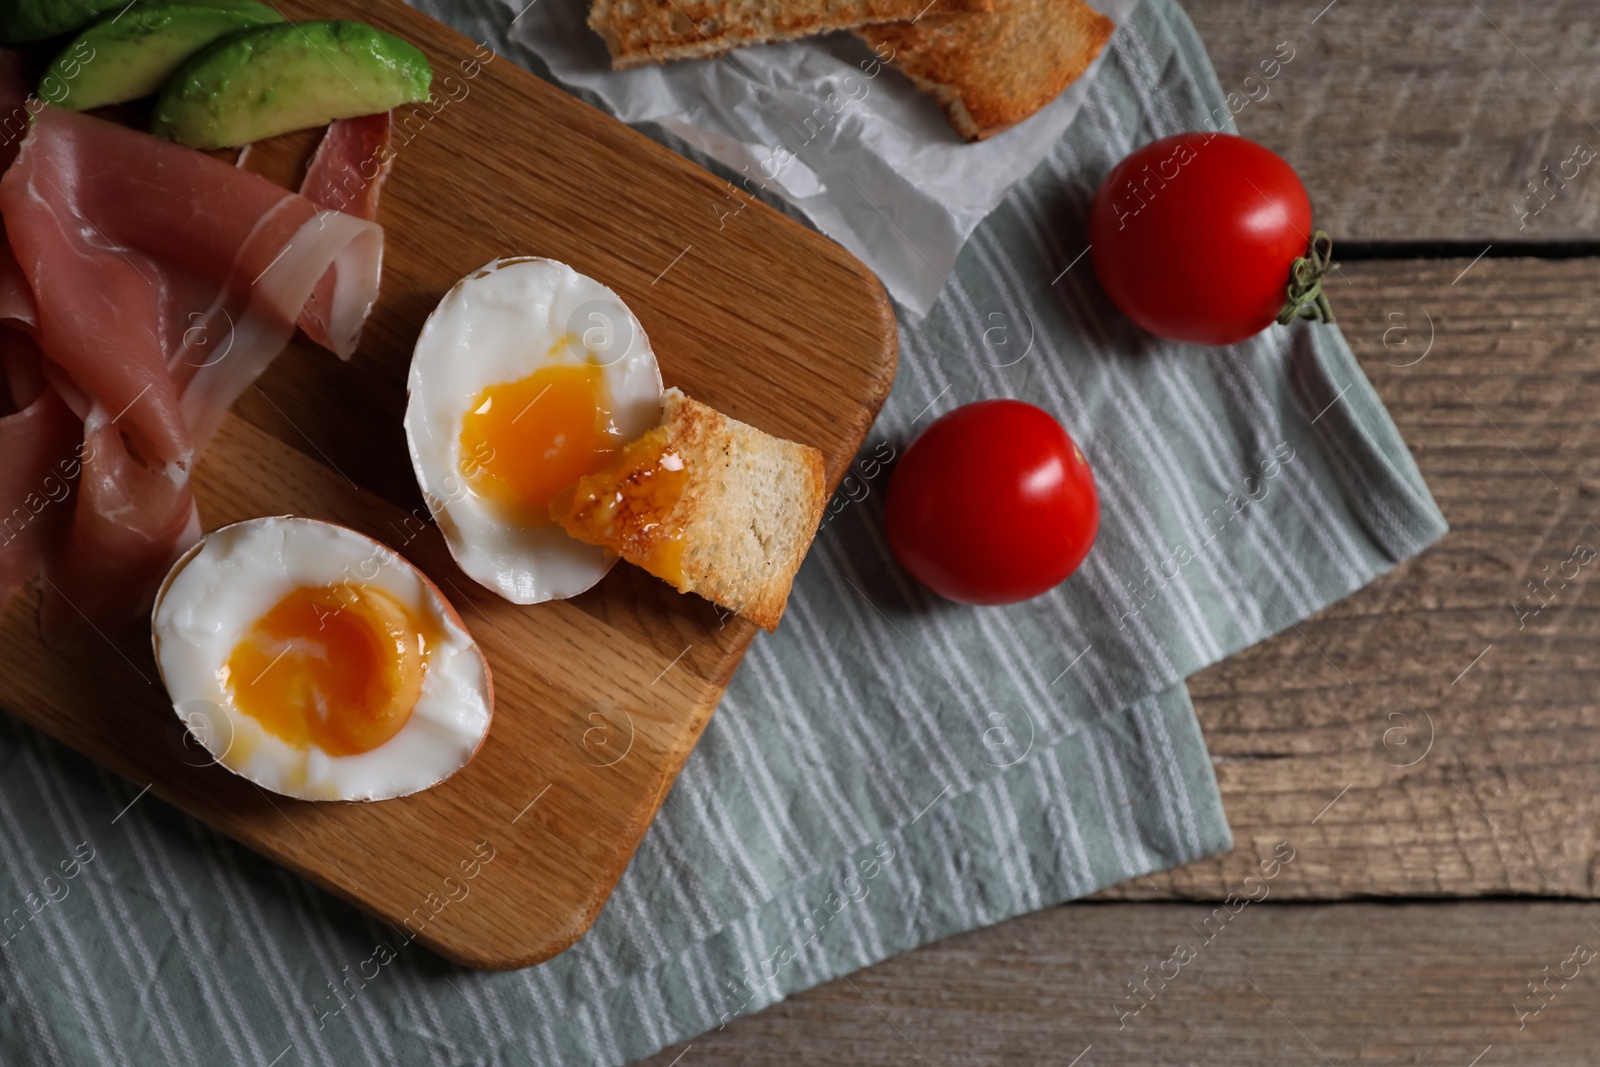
x=827, y=125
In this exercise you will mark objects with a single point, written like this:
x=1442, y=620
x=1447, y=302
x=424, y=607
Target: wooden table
x=1424, y=898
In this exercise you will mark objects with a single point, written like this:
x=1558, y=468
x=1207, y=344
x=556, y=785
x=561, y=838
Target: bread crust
x=737, y=529
x=654, y=31
x=992, y=71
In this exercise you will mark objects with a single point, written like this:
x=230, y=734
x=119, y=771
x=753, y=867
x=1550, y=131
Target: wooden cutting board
x=598, y=699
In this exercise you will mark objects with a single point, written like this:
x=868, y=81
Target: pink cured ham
x=345, y=174
x=36, y=429
x=350, y=166
x=156, y=284
x=38, y=437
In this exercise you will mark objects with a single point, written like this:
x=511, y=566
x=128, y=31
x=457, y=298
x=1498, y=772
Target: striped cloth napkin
x=886, y=770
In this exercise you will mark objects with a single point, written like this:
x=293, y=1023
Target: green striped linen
x=886, y=770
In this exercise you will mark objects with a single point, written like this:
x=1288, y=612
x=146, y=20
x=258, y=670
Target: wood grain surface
x=599, y=699
x=1500, y=415
x=1434, y=984
x=1422, y=121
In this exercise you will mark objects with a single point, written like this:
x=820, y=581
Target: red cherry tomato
x=992, y=504
x=1194, y=236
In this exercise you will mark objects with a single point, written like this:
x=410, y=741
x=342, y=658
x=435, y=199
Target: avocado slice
x=133, y=53
x=269, y=80
x=34, y=20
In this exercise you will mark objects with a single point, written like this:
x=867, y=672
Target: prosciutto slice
x=38, y=434
x=146, y=285
x=345, y=174
x=350, y=166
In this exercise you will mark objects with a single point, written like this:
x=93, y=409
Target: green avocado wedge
x=290, y=76
x=135, y=52
x=34, y=20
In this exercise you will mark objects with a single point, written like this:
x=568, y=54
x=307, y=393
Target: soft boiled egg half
x=317, y=663
x=526, y=377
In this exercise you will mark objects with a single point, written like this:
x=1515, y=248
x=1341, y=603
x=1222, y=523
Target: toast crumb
x=707, y=504
x=653, y=31
x=992, y=71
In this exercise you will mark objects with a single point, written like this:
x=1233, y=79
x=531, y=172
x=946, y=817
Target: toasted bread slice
x=992, y=71
x=707, y=504
x=653, y=31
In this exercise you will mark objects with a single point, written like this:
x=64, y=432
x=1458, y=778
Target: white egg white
x=218, y=590
x=502, y=323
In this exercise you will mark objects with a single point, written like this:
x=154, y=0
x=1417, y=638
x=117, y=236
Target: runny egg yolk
x=339, y=667
x=522, y=442
x=628, y=506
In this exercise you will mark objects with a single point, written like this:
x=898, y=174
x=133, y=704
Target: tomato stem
x=1306, y=298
